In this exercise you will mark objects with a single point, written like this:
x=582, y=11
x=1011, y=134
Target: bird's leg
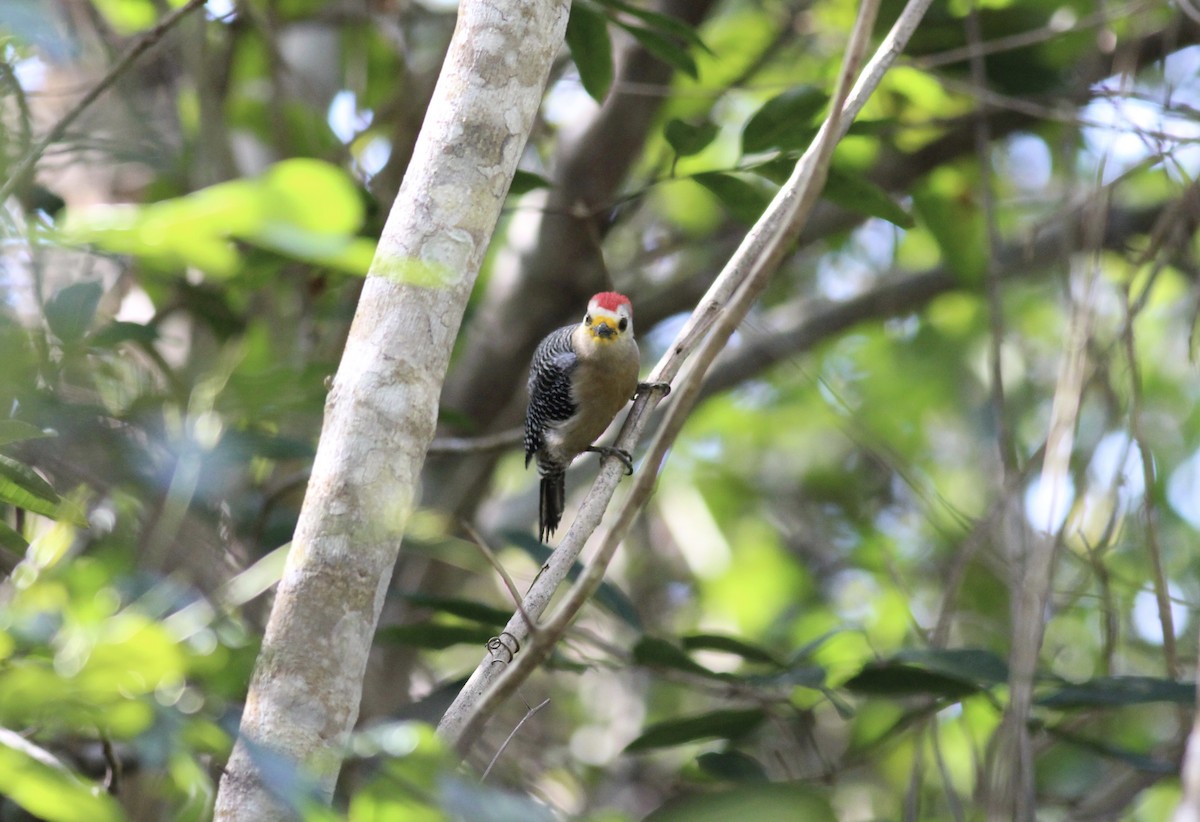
x=619, y=453
x=664, y=387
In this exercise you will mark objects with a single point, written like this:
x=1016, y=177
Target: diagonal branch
x=800, y=326
x=705, y=333
x=143, y=44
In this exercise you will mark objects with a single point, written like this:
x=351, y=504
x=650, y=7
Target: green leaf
x=784, y=122
x=406, y=783
x=731, y=645
x=526, y=181
x=11, y=540
x=854, y=192
x=662, y=47
x=468, y=799
x=951, y=673
x=775, y=802
x=969, y=664
x=1134, y=759
x=71, y=311
x=22, y=487
x=957, y=228
x=744, y=200
x=1116, y=691
x=844, y=709
x=19, y=431
x=286, y=779
x=301, y=207
x=49, y=792
x=591, y=49
x=778, y=169
x=687, y=139
x=663, y=22
x=119, y=331
x=810, y=676
x=435, y=636
x=128, y=16
x=660, y=653
x=729, y=724
x=311, y=196
x=612, y=598
x=464, y=608
x=732, y=766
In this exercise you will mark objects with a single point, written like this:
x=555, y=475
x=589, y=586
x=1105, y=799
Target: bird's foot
x=664, y=387
x=619, y=453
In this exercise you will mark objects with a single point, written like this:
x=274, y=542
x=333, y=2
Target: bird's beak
x=603, y=330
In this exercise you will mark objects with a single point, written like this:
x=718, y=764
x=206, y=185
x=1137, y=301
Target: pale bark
x=1011, y=778
x=546, y=270
x=380, y=415
x=552, y=262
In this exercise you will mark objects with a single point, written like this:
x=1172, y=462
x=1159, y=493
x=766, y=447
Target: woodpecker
x=581, y=376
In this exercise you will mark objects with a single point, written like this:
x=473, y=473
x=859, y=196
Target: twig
x=916, y=775
x=952, y=797
x=1161, y=590
x=476, y=445
x=983, y=139
x=11, y=739
x=490, y=555
x=1010, y=789
x=798, y=327
x=113, y=767
x=1031, y=37
x=512, y=733
x=143, y=44
x=705, y=333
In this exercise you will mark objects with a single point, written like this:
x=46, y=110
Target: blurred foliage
x=304, y=208
x=812, y=619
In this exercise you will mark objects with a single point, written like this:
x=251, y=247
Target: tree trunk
x=380, y=415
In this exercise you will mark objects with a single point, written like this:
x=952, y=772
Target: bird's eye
x=587, y=320
x=623, y=324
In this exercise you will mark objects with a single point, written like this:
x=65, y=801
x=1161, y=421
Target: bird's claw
x=619, y=453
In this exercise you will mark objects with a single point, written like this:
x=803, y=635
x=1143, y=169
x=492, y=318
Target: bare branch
x=490, y=556
x=499, y=441
x=1031, y=554
x=144, y=43
x=705, y=333
x=504, y=745
x=797, y=327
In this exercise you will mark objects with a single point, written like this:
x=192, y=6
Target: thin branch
x=490, y=555
x=797, y=327
x=1032, y=37
x=1011, y=788
x=705, y=333
x=983, y=140
x=499, y=441
x=1161, y=590
x=952, y=797
x=11, y=739
x=528, y=715
x=143, y=44
x=113, y=769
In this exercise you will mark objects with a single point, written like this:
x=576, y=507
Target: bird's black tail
x=554, y=498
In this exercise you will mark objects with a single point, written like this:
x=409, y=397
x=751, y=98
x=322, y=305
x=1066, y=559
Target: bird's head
x=609, y=317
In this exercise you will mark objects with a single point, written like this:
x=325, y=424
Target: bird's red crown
x=610, y=300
